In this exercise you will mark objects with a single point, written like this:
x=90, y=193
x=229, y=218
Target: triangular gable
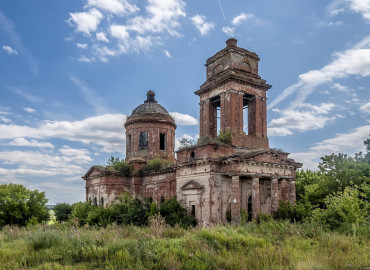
x=94, y=170
x=191, y=185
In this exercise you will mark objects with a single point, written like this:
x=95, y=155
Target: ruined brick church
x=212, y=180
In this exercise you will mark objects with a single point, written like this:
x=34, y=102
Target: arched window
x=192, y=154
x=162, y=199
x=102, y=201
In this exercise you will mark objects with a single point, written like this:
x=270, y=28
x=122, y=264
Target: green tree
x=174, y=213
x=21, y=206
x=62, y=211
x=122, y=166
x=80, y=212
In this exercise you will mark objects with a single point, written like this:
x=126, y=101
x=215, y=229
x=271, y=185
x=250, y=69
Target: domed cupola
x=150, y=132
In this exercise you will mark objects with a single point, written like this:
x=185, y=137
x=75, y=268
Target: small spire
x=231, y=42
x=150, y=96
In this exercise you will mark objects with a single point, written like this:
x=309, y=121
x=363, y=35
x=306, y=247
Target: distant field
x=269, y=245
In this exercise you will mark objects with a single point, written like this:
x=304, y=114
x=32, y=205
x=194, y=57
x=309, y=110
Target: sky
x=72, y=70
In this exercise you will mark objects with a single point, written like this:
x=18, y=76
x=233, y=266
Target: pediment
x=94, y=171
x=191, y=185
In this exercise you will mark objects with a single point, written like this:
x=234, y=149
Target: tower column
x=235, y=197
x=256, y=203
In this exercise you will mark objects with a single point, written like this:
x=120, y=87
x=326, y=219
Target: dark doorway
x=250, y=208
x=162, y=141
x=193, y=210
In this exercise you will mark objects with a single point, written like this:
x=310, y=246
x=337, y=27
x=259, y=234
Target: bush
x=156, y=165
x=174, y=213
x=119, y=165
x=225, y=136
x=80, y=212
x=21, y=206
x=293, y=213
x=62, y=211
x=343, y=209
x=129, y=211
x=100, y=216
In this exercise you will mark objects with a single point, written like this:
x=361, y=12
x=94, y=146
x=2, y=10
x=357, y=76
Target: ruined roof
x=150, y=111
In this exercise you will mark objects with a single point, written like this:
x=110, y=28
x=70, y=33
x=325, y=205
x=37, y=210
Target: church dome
x=150, y=112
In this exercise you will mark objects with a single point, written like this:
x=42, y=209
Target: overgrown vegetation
x=122, y=166
x=267, y=245
x=156, y=165
x=337, y=196
x=62, y=211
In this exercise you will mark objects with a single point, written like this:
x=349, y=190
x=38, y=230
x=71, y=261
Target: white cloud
x=305, y=117
x=104, y=130
x=167, y=53
x=132, y=34
x=119, y=31
x=4, y=119
x=360, y=6
x=102, y=37
x=354, y=61
x=340, y=87
x=241, y=18
x=121, y=7
x=82, y=45
x=84, y=59
x=29, y=110
x=184, y=119
x=200, y=22
x=9, y=50
x=31, y=143
x=349, y=143
x=86, y=22
x=365, y=108
x=228, y=30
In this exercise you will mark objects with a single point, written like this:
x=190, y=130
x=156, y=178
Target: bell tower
x=235, y=94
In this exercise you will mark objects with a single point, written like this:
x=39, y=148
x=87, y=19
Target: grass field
x=269, y=245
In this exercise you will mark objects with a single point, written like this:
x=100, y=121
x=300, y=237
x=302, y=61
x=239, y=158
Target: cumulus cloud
x=184, y=119
x=9, y=50
x=29, y=110
x=102, y=37
x=305, y=117
x=30, y=143
x=352, y=62
x=82, y=45
x=365, y=108
x=228, y=30
x=131, y=33
x=121, y=7
x=350, y=142
x=200, y=22
x=360, y=6
x=86, y=22
x=242, y=18
x=167, y=53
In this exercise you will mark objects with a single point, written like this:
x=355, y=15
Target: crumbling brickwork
x=213, y=180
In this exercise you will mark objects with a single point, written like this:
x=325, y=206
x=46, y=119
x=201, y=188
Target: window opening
x=102, y=201
x=162, y=199
x=129, y=143
x=143, y=140
x=162, y=141
x=192, y=154
x=250, y=208
x=246, y=104
x=95, y=201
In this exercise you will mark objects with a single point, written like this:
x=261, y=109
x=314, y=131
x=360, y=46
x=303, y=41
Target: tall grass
x=269, y=245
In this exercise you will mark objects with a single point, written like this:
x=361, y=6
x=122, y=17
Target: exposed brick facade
x=213, y=180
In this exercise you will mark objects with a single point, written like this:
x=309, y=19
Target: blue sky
x=70, y=72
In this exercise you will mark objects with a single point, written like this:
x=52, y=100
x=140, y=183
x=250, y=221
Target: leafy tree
x=100, y=216
x=21, y=206
x=80, y=212
x=62, y=211
x=174, y=213
x=342, y=209
x=225, y=136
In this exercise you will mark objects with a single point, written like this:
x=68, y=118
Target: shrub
x=80, y=211
x=174, y=213
x=62, y=211
x=293, y=213
x=129, y=211
x=98, y=215
x=156, y=165
x=119, y=165
x=343, y=209
x=21, y=206
x=225, y=136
